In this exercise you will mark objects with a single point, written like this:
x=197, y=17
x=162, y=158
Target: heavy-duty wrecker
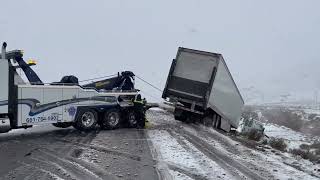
x=108, y=102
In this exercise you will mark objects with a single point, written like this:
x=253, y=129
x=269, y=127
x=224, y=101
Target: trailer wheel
x=132, y=120
x=180, y=115
x=86, y=120
x=207, y=121
x=111, y=119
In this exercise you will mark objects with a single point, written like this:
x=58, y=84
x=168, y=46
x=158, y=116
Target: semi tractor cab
x=63, y=104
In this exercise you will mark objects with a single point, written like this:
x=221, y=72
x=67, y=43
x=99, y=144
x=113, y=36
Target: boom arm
x=30, y=74
x=120, y=82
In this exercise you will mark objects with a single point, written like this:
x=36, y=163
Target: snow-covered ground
x=197, y=152
x=311, y=111
x=293, y=138
x=186, y=158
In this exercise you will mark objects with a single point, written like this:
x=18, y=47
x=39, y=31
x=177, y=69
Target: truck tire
x=62, y=124
x=180, y=115
x=111, y=119
x=180, y=118
x=207, y=121
x=132, y=120
x=86, y=120
x=189, y=118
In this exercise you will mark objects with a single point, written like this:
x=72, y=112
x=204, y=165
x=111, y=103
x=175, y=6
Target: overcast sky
x=271, y=45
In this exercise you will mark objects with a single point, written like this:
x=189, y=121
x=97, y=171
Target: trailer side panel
x=225, y=98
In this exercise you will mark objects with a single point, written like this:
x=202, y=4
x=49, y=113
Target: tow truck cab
x=4, y=92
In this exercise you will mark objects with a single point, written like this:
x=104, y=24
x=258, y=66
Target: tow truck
x=107, y=103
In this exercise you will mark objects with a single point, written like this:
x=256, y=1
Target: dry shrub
x=264, y=141
x=255, y=135
x=249, y=113
x=315, y=145
x=284, y=117
x=305, y=154
x=278, y=143
x=305, y=146
x=312, y=116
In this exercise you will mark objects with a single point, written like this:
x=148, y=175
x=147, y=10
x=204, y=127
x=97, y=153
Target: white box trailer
x=202, y=88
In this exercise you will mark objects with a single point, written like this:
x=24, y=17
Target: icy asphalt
x=167, y=149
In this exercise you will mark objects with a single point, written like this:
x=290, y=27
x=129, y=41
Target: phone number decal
x=54, y=117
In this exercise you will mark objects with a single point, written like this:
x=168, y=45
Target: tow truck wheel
x=86, y=120
x=132, y=120
x=111, y=119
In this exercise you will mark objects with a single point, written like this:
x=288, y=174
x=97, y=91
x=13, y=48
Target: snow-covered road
x=187, y=151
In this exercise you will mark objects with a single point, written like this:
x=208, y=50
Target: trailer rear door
x=192, y=74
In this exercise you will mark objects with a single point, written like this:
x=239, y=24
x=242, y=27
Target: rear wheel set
x=87, y=119
x=113, y=119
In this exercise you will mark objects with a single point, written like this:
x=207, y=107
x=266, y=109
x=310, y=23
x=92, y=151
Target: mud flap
x=4, y=125
x=225, y=125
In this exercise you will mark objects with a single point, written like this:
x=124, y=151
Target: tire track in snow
x=74, y=168
x=188, y=173
x=59, y=158
x=102, y=149
x=180, y=139
x=218, y=156
x=190, y=162
x=231, y=148
x=50, y=174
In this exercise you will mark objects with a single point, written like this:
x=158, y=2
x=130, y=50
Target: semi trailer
x=108, y=102
x=202, y=89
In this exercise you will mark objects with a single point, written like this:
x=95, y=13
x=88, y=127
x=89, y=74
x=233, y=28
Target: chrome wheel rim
x=113, y=118
x=132, y=119
x=88, y=119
